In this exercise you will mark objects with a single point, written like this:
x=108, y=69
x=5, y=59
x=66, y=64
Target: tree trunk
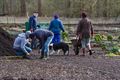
x=10, y=9
x=23, y=7
x=39, y=8
x=3, y=9
x=98, y=8
x=105, y=5
x=68, y=5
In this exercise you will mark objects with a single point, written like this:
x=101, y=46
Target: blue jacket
x=56, y=26
x=33, y=22
x=20, y=42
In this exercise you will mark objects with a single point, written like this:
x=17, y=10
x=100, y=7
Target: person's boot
x=46, y=56
x=90, y=52
x=42, y=55
x=26, y=57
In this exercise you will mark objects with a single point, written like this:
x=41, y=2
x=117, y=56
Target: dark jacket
x=84, y=28
x=56, y=26
x=33, y=22
x=41, y=35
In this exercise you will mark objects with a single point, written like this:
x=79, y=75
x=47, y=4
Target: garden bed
x=6, y=42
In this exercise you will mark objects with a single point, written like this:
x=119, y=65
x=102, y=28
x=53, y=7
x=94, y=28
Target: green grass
x=111, y=55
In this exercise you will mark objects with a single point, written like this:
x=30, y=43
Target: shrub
x=65, y=36
x=98, y=38
x=109, y=37
x=118, y=37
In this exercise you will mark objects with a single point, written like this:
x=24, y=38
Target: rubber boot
x=90, y=52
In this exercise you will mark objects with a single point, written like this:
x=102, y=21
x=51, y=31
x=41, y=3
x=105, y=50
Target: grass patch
x=112, y=55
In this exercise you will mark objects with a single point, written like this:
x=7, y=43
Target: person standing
x=56, y=26
x=33, y=26
x=20, y=45
x=33, y=21
x=45, y=37
x=85, y=32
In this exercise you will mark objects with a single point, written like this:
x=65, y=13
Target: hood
x=27, y=34
x=22, y=35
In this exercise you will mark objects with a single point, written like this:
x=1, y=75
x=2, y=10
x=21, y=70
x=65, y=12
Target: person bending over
x=45, y=37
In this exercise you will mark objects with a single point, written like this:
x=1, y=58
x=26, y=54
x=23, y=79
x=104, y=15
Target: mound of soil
x=6, y=42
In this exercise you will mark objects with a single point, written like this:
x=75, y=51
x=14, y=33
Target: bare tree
x=67, y=8
x=68, y=5
x=39, y=7
x=105, y=12
x=23, y=7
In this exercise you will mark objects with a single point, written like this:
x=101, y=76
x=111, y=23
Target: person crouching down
x=45, y=38
x=21, y=45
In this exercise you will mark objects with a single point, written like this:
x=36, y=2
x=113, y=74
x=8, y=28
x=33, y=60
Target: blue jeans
x=56, y=38
x=45, y=48
x=19, y=51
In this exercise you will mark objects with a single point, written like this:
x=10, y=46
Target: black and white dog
x=60, y=46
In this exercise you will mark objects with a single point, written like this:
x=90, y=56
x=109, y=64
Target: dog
x=60, y=46
x=76, y=45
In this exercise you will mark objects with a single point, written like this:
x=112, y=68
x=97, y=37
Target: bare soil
x=59, y=67
x=6, y=42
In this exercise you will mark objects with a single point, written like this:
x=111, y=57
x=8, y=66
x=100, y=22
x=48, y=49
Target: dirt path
x=62, y=68
x=58, y=67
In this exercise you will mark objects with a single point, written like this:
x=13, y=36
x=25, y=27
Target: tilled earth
x=6, y=42
x=59, y=67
